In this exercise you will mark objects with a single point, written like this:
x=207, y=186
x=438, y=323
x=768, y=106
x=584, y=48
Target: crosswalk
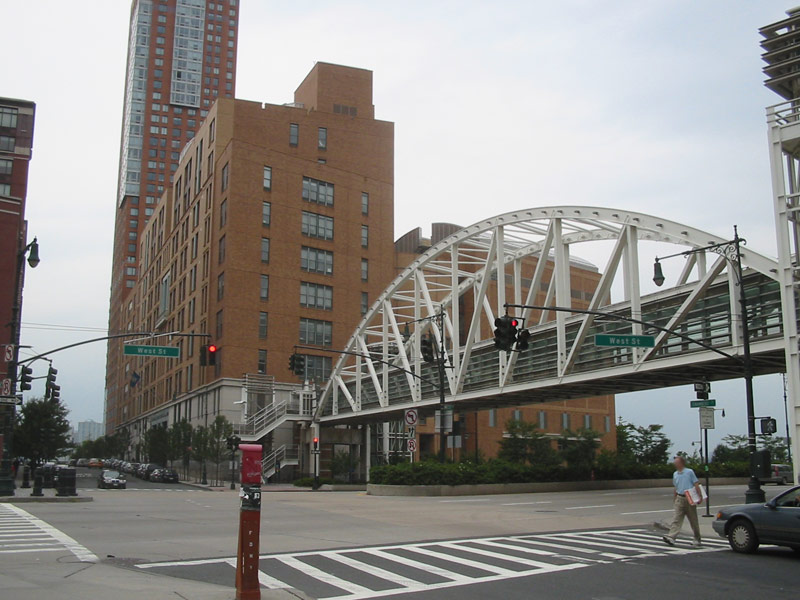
x=21, y=533
x=381, y=571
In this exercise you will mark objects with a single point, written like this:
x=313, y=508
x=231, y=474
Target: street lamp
x=7, y=485
x=732, y=252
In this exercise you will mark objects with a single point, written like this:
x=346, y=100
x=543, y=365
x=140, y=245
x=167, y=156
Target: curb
x=45, y=499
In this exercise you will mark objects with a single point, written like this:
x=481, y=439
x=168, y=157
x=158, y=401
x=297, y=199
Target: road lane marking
x=587, y=507
x=647, y=512
x=33, y=524
x=465, y=500
x=527, y=503
x=320, y=575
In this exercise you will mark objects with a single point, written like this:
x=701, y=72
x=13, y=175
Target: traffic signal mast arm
x=599, y=313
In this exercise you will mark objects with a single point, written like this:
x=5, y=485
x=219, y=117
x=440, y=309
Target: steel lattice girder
x=379, y=383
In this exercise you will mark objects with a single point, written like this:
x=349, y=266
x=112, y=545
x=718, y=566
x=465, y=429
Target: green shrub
x=309, y=482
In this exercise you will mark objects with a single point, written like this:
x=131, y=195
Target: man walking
x=683, y=480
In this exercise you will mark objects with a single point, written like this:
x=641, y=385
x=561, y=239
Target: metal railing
x=786, y=113
x=269, y=417
x=288, y=454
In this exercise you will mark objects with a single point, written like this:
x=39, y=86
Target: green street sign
x=625, y=341
x=702, y=403
x=162, y=351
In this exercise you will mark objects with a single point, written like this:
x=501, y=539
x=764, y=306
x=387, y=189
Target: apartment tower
x=181, y=58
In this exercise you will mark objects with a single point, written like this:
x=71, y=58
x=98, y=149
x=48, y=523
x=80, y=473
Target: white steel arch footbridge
x=533, y=252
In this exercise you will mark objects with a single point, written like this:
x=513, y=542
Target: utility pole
x=442, y=354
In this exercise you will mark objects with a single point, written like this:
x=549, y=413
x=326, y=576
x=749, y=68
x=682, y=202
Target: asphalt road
x=600, y=545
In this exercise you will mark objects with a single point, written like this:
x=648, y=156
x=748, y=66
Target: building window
x=220, y=286
x=364, y=303
x=492, y=417
x=322, y=138
x=225, y=170
x=264, y=289
x=607, y=424
x=8, y=142
x=267, y=178
x=266, y=213
x=262, y=325
x=364, y=236
x=8, y=117
x=317, y=226
x=318, y=368
x=320, y=192
x=364, y=269
x=219, y=324
x=313, y=295
x=223, y=213
x=212, y=130
x=222, y=249
x=294, y=134
x=517, y=415
x=565, y=424
x=6, y=166
x=543, y=420
x=587, y=421
x=5, y=189
x=314, y=260
x=316, y=332
x=264, y=250
x=262, y=361
x=364, y=203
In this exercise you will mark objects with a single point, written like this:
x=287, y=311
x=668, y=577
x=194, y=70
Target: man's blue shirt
x=684, y=480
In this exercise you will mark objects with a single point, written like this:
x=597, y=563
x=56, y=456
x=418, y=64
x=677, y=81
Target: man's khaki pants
x=684, y=509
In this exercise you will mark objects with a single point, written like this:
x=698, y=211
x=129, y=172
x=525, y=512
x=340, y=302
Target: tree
x=218, y=433
x=156, y=444
x=42, y=430
x=776, y=446
x=625, y=445
x=343, y=464
x=524, y=443
x=579, y=450
x=732, y=449
x=180, y=442
x=200, y=445
x=650, y=445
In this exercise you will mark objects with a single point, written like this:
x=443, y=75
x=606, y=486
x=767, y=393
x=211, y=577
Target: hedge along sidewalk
x=487, y=489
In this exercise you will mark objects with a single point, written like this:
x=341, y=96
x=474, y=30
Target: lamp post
x=7, y=485
x=732, y=252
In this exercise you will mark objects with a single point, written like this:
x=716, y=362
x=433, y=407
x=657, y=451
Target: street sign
x=706, y=418
x=412, y=432
x=411, y=417
x=9, y=353
x=625, y=341
x=162, y=351
x=412, y=445
x=6, y=387
x=702, y=403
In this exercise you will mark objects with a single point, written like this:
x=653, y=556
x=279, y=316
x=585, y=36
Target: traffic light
x=212, y=354
x=233, y=442
x=702, y=389
x=769, y=426
x=426, y=347
x=55, y=393
x=25, y=379
x=505, y=333
x=50, y=381
x=203, y=355
x=522, y=339
x=292, y=362
x=316, y=444
x=300, y=365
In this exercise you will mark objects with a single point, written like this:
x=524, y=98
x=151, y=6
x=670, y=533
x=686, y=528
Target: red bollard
x=247, y=584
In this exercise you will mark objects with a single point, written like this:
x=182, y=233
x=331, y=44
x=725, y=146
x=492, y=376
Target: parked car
x=134, y=467
x=73, y=462
x=95, y=463
x=111, y=479
x=164, y=475
x=781, y=475
x=776, y=522
x=82, y=462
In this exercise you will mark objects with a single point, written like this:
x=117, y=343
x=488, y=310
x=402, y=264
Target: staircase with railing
x=286, y=455
x=271, y=417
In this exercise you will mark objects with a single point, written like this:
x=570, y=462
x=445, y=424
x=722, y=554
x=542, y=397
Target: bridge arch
x=530, y=250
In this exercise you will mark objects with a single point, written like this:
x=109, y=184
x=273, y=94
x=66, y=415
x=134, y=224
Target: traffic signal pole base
x=7, y=485
x=754, y=493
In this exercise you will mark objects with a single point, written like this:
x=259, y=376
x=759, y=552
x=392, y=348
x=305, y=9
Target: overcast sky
x=656, y=106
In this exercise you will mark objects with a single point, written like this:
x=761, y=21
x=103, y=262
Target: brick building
x=277, y=231
x=181, y=58
x=479, y=433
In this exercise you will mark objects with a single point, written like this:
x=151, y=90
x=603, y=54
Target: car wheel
x=742, y=537
x=783, y=481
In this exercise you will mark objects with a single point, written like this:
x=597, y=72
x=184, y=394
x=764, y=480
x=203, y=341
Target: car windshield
x=111, y=474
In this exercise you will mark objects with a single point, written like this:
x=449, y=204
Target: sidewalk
x=79, y=581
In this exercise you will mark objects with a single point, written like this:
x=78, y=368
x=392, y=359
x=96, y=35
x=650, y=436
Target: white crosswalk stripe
x=378, y=572
x=21, y=532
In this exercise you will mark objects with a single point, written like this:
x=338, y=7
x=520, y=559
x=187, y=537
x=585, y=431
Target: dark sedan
x=777, y=522
x=111, y=479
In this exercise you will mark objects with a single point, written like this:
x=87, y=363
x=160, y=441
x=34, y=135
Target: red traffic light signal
x=212, y=348
x=316, y=444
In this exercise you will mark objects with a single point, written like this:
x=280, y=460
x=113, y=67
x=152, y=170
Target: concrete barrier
x=487, y=489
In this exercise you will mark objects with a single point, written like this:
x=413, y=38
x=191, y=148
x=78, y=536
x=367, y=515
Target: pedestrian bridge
x=450, y=293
